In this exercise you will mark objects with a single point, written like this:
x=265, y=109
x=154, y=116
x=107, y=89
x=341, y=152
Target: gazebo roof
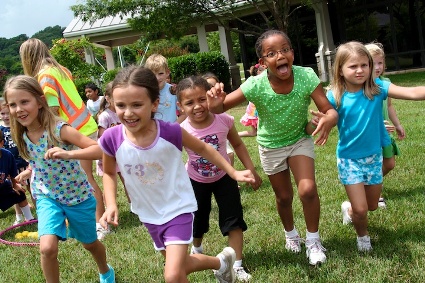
x=109, y=31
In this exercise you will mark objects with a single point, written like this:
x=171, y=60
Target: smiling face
x=24, y=107
x=356, y=72
x=4, y=115
x=92, y=94
x=134, y=107
x=280, y=66
x=193, y=103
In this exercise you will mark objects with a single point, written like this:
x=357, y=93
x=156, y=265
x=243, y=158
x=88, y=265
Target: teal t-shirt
x=281, y=117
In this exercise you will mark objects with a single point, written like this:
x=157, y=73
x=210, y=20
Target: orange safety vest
x=72, y=109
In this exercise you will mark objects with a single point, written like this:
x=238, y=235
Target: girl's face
x=134, y=107
x=193, y=103
x=4, y=115
x=356, y=72
x=278, y=57
x=378, y=65
x=91, y=94
x=24, y=107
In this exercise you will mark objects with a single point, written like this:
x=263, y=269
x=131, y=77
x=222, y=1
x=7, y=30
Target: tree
x=172, y=18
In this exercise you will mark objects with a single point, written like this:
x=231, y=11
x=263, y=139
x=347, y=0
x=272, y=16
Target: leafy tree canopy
x=172, y=18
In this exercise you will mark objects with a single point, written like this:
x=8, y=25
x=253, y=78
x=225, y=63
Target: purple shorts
x=177, y=231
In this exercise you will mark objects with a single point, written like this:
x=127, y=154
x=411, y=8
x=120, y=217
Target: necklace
x=33, y=130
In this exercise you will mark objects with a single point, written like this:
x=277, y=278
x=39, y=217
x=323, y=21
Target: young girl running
x=107, y=118
x=94, y=99
x=60, y=187
x=358, y=98
x=376, y=50
x=149, y=155
x=282, y=95
x=206, y=178
x=250, y=118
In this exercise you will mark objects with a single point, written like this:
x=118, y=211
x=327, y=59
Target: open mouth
x=283, y=69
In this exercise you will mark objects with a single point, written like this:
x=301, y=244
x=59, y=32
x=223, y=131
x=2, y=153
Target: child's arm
x=24, y=175
x=243, y=155
x=100, y=131
x=327, y=114
x=394, y=119
x=110, y=191
x=214, y=157
x=89, y=149
x=16, y=187
x=312, y=124
x=407, y=93
x=218, y=101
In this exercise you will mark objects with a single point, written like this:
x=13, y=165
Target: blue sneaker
x=108, y=277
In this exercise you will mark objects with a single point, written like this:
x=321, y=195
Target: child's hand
x=319, y=120
x=401, y=134
x=390, y=128
x=18, y=189
x=216, y=96
x=244, y=176
x=110, y=216
x=23, y=176
x=258, y=181
x=57, y=153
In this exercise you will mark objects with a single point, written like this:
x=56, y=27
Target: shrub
x=198, y=64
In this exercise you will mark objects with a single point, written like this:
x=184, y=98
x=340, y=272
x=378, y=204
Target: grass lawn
x=397, y=232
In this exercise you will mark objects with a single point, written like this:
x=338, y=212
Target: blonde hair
x=343, y=54
x=156, y=63
x=35, y=55
x=376, y=49
x=47, y=119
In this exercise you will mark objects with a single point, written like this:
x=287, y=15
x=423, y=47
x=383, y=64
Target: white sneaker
x=228, y=276
x=381, y=203
x=199, y=250
x=102, y=232
x=346, y=219
x=17, y=221
x=293, y=244
x=315, y=251
x=241, y=274
x=363, y=244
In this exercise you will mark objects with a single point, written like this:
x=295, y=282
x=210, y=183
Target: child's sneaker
x=102, y=232
x=363, y=244
x=228, y=255
x=108, y=277
x=241, y=274
x=381, y=203
x=315, y=251
x=196, y=250
x=293, y=244
x=346, y=219
x=18, y=221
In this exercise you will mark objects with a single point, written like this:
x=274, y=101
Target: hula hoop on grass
x=17, y=244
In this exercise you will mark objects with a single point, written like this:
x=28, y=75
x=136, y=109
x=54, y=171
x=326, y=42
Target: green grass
x=397, y=233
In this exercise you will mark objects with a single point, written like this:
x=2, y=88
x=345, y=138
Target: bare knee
x=284, y=199
x=174, y=276
x=360, y=213
x=92, y=246
x=307, y=191
x=49, y=250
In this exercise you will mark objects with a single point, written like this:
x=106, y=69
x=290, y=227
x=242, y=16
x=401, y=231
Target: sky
x=30, y=16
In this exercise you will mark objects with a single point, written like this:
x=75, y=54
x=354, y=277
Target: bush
x=198, y=64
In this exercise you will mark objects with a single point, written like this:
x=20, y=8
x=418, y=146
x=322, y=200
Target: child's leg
x=49, y=257
x=97, y=250
x=19, y=215
x=388, y=164
x=235, y=239
x=282, y=187
x=26, y=210
x=302, y=168
x=362, y=199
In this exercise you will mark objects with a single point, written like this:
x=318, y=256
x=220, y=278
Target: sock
x=26, y=210
x=310, y=236
x=19, y=217
x=291, y=234
x=198, y=250
x=106, y=274
x=238, y=263
x=223, y=264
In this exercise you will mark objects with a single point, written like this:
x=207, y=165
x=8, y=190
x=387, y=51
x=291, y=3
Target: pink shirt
x=200, y=169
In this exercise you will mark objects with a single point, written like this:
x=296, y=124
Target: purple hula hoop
x=17, y=244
